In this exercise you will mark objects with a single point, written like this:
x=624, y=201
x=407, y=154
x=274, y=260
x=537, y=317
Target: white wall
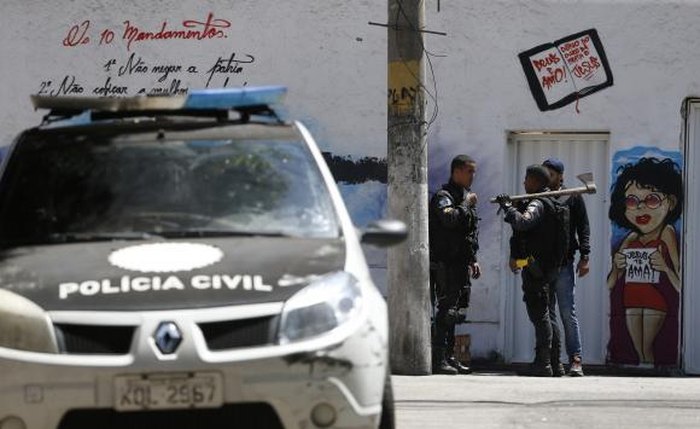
x=334, y=64
x=332, y=61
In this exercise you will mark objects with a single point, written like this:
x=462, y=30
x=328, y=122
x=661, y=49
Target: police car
x=184, y=262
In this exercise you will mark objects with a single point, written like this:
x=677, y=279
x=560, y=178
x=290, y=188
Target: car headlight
x=320, y=307
x=24, y=325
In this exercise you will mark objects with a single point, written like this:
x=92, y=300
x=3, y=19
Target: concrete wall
x=331, y=60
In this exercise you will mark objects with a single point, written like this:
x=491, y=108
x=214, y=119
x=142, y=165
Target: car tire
x=387, y=419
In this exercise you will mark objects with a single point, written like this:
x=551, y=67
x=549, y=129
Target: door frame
x=510, y=283
x=690, y=352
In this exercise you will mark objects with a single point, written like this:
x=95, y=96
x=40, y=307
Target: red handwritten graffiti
x=576, y=50
x=209, y=25
x=585, y=69
x=211, y=28
x=553, y=77
x=541, y=63
x=578, y=43
x=77, y=35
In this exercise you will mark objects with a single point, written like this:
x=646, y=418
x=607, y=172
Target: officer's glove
x=504, y=202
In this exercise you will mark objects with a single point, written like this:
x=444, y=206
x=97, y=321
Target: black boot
x=440, y=365
x=456, y=364
x=542, y=366
x=557, y=367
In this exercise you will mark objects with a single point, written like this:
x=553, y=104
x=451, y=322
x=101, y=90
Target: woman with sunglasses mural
x=646, y=201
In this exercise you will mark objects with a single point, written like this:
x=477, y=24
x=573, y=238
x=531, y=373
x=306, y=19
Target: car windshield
x=94, y=186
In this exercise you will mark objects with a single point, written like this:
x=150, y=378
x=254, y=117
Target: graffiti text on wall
x=404, y=88
x=570, y=68
x=130, y=34
x=168, y=76
x=135, y=74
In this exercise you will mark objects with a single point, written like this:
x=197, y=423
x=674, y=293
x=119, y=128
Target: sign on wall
x=129, y=72
x=568, y=69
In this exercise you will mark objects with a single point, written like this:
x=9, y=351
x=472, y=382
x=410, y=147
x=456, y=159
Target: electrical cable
x=433, y=96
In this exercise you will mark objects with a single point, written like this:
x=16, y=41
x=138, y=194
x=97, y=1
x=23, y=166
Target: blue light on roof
x=228, y=98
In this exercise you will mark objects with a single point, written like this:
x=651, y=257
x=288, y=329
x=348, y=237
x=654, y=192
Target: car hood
x=167, y=274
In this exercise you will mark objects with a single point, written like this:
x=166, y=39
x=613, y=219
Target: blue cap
x=555, y=164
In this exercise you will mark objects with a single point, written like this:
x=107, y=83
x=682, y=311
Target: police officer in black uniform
x=453, y=245
x=534, y=230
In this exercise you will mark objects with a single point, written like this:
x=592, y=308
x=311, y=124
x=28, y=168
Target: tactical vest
x=547, y=242
x=457, y=244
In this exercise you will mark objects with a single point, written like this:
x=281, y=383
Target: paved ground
x=505, y=400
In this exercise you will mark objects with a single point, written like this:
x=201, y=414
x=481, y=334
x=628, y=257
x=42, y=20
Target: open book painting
x=570, y=68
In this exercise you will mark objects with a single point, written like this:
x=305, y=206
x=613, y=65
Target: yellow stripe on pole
x=404, y=85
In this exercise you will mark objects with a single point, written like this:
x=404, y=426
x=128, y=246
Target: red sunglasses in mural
x=651, y=201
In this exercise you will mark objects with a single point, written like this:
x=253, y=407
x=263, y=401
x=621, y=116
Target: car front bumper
x=345, y=371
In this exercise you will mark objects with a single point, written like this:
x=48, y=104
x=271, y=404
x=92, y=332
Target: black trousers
x=539, y=294
x=450, y=291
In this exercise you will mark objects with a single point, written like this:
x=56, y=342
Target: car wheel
x=387, y=419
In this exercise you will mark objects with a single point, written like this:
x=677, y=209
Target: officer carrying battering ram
x=453, y=229
x=534, y=252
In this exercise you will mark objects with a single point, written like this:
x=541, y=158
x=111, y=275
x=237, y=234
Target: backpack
x=560, y=216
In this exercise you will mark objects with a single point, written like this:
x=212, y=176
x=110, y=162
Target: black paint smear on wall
x=350, y=171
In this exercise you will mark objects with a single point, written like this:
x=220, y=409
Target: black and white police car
x=184, y=262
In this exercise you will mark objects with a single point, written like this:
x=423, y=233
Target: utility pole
x=407, y=161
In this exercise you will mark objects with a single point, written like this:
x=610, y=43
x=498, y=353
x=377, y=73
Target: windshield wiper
x=72, y=237
x=190, y=233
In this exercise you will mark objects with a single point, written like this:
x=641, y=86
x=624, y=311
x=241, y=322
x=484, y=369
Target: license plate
x=168, y=391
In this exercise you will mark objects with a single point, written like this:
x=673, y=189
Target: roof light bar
x=107, y=104
x=229, y=98
x=206, y=99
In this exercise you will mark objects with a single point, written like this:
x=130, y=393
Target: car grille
x=233, y=334
x=94, y=339
x=231, y=416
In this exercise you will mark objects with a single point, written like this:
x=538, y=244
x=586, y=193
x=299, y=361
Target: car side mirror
x=384, y=233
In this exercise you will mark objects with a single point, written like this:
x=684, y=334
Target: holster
x=534, y=268
x=465, y=296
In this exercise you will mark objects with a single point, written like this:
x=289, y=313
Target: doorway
x=581, y=152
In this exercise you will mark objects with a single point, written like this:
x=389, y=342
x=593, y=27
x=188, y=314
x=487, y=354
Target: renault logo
x=167, y=337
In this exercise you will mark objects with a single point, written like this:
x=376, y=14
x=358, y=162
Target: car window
x=75, y=185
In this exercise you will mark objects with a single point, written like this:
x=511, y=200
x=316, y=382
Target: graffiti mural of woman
x=646, y=201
